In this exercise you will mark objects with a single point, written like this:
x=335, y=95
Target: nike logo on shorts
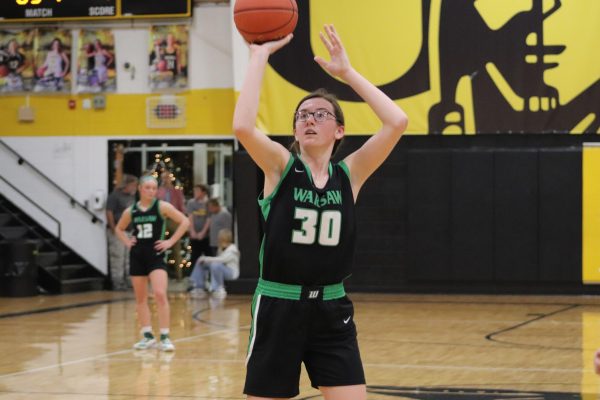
x=347, y=319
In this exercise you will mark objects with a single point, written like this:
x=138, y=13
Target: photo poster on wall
x=16, y=61
x=52, y=60
x=96, y=72
x=168, y=57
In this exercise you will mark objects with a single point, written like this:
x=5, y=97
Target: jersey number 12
x=144, y=231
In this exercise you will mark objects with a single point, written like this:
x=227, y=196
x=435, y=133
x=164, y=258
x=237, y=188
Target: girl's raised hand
x=339, y=64
x=272, y=46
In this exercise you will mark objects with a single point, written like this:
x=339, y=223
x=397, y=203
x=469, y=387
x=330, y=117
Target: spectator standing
x=118, y=200
x=220, y=218
x=197, y=211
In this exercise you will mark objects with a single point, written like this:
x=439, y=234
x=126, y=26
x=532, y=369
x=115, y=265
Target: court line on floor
x=490, y=336
x=62, y=308
x=196, y=314
x=105, y=355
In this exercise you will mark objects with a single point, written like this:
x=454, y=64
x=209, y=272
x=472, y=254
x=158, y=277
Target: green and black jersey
x=309, y=233
x=148, y=225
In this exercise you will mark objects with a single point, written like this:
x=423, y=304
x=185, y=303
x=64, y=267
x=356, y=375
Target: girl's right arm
x=123, y=223
x=270, y=156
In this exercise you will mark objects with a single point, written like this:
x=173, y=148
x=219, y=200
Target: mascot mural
x=456, y=66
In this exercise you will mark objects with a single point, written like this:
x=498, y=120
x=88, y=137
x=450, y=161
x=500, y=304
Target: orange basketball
x=3, y=70
x=260, y=21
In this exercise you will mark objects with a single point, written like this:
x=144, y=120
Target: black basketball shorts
x=285, y=333
x=143, y=260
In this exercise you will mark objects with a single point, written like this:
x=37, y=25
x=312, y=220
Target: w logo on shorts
x=312, y=293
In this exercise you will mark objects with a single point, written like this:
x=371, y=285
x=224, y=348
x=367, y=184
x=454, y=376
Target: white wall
x=240, y=53
x=210, y=48
x=61, y=161
x=131, y=46
x=210, y=59
x=79, y=165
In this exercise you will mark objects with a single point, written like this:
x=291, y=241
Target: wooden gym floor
x=428, y=347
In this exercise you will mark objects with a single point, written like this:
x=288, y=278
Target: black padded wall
x=489, y=213
x=472, y=215
x=381, y=222
x=246, y=180
x=429, y=215
x=516, y=215
x=560, y=199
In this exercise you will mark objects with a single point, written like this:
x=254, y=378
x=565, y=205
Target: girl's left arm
x=364, y=161
x=179, y=218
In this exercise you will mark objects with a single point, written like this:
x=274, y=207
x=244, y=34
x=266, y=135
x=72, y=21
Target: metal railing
x=72, y=201
x=30, y=229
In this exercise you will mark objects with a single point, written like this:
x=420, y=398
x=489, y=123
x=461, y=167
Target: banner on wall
x=16, y=61
x=96, y=71
x=52, y=60
x=456, y=67
x=591, y=213
x=168, y=57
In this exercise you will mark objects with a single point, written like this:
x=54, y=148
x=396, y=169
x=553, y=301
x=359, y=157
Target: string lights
x=164, y=163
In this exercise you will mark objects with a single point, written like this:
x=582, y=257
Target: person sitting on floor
x=224, y=266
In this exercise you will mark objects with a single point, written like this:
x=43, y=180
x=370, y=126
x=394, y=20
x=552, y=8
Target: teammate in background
x=300, y=310
x=147, y=263
x=597, y=362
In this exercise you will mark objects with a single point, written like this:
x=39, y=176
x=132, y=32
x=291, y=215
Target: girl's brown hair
x=337, y=111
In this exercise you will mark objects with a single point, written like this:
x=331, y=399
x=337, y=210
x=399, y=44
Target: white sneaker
x=166, y=344
x=198, y=293
x=220, y=293
x=145, y=343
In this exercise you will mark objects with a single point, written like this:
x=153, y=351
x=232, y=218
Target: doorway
x=192, y=162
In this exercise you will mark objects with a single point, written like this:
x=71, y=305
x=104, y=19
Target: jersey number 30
x=324, y=227
x=144, y=231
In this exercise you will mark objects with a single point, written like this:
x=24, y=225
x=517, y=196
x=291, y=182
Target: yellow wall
x=208, y=112
x=591, y=215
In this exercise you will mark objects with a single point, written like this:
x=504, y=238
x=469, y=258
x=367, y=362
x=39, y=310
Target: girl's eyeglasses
x=319, y=115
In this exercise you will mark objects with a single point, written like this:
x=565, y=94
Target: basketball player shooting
x=300, y=308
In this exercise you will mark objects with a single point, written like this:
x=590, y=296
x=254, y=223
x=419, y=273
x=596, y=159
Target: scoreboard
x=59, y=10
